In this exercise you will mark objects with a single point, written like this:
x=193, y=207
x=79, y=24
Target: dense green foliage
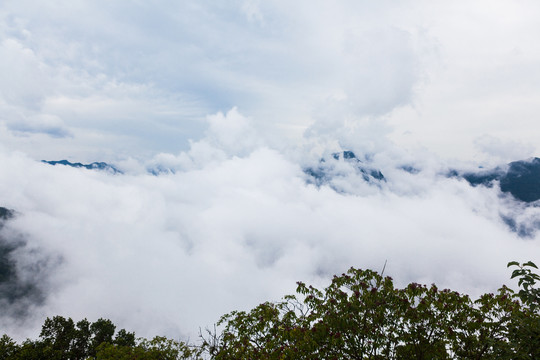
x=62, y=339
x=360, y=315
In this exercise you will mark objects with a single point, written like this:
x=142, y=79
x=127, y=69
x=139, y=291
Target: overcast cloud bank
x=97, y=81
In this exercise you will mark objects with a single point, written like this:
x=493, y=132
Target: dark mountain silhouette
x=18, y=291
x=519, y=178
x=93, y=166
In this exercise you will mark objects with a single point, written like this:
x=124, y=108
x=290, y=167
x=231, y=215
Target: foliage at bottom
x=360, y=315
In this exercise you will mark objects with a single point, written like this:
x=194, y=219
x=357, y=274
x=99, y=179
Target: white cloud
x=504, y=151
x=167, y=254
x=232, y=132
x=278, y=73
x=251, y=9
x=443, y=74
x=25, y=80
x=484, y=82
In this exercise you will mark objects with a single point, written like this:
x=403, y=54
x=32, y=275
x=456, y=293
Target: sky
x=235, y=99
x=94, y=81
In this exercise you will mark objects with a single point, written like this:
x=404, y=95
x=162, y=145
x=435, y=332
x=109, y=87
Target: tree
x=524, y=332
x=124, y=338
x=159, y=348
x=58, y=336
x=361, y=315
x=102, y=332
x=8, y=347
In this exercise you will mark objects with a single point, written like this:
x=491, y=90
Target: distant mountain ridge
x=329, y=168
x=519, y=178
x=93, y=166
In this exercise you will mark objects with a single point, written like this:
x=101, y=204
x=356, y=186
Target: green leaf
x=516, y=273
x=531, y=264
x=512, y=263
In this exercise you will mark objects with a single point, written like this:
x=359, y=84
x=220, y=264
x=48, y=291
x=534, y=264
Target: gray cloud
x=50, y=125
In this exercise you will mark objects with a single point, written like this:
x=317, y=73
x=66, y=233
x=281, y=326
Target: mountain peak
x=92, y=166
x=520, y=178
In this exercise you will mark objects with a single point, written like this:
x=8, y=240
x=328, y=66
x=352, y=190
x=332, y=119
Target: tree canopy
x=360, y=315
